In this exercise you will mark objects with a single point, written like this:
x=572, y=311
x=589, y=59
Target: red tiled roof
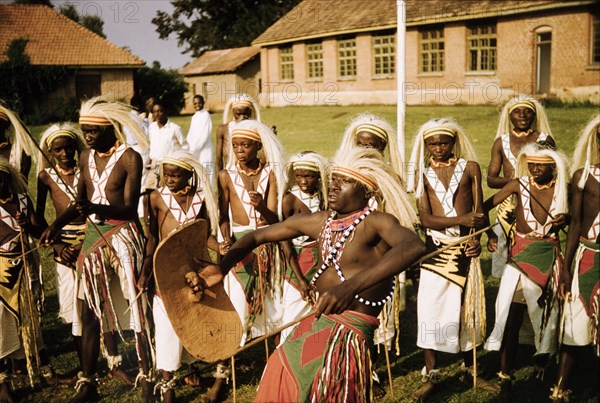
x=220, y=61
x=55, y=40
x=319, y=18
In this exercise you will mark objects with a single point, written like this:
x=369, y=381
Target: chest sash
x=99, y=181
x=526, y=199
x=313, y=203
x=446, y=196
x=62, y=185
x=176, y=211
x=508, y=152
x=244, y=196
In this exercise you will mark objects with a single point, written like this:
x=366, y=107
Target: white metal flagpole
x=401, y=76
x=400, y=120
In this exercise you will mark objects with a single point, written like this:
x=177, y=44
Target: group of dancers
x=305, y=239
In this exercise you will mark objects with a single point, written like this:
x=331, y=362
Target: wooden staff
x=473, y=333
x=387, y=355
x=28, y=300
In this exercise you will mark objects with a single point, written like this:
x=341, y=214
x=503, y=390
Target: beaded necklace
x=336, y=248
x=522, y=134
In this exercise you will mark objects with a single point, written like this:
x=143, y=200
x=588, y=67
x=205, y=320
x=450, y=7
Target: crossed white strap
x=99, y=181
x=244, y=196
x=312, y=202
x=70, y=191
x=595, y=228
x=176, y=210
x=526, y=199
x=10, y=221
x=446, y=196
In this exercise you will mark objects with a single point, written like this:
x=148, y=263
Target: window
x=481, y=42
x=286, y=64
x=347, y=58
x=596, y=40
x=431, y=51
x=384, y=54
x=314, y=57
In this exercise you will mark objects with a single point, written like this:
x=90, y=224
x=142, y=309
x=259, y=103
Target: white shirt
x=165, y=140
x=200, y=141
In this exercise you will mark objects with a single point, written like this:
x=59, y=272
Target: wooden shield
x=210, y=329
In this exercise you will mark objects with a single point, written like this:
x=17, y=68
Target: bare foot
x=5, y=395
x=424, y=391
x=117, y=373
x=379, y=391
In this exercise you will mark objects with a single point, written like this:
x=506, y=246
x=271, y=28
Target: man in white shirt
x=165, y=138
x=199, y=136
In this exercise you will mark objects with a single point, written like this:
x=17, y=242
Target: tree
x=23, y=85
x=92, y=22
x=166, y=85
x=203, y=25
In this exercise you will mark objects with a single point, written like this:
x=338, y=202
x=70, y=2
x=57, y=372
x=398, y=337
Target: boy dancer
x=238, y=108
x=446, y=180
x=358, y=264
x=522, y=121
x=60, y=143
x=306, y=193
x=250, y=192
x=370, y=131
x=528, y=281
x=108, y=191
x=580, y=277
x=186, y=196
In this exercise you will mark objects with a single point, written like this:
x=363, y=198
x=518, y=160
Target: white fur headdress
x=271, y=153
x=308, y=160
x=237, y=100
x=100, y=111
x=387, y=134
x=540, y=124
x=200, y=180
x=19, y=137
x=53, y=132
x=560, y=172
x=419, y=158
x=380, y=178
x=586, y=152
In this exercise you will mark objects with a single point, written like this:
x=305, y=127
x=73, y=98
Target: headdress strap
x=362, y=178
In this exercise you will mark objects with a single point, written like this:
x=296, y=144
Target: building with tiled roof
x=100, y=67
x=479, y=51
x=219, y=74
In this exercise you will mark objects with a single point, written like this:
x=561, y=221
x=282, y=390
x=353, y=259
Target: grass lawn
x=319, y=129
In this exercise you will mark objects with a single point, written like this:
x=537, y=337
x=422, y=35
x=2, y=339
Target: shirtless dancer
x=359, y=261
x=108, y=192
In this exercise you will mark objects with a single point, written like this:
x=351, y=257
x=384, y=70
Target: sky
x=128, y=23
